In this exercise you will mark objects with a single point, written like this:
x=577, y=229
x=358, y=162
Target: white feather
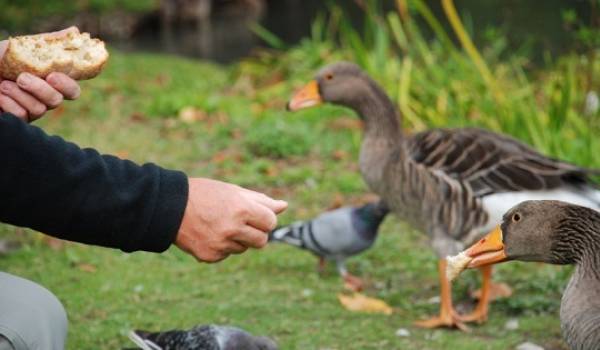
x=144, y=344
x=498, y=204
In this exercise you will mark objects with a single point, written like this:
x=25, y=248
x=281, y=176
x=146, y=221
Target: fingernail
x=24, y=79
x=5, y=86
x=52, y=79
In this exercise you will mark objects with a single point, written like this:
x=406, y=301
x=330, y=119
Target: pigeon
x=336, y=235
x=205, y=337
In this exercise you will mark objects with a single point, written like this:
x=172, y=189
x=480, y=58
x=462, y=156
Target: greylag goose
x=453, y=184
x=336, y=235
x=556, y=233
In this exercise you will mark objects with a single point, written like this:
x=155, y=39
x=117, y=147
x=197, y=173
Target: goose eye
x=329, y=76
x=516, y=217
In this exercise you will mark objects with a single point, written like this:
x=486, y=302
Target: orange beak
x=488, y=251
x=308, y=96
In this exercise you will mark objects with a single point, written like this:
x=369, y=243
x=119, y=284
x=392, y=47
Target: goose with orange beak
x=551, y=232
x=451, y=184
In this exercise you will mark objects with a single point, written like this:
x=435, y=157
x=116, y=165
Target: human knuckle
x=262, y=241
x=7, y=86
x=19, y=112
x=243, y=211
x=55, y=100
x=229, y=232
x=37, y=109
x=211, y=257
x=272, y=222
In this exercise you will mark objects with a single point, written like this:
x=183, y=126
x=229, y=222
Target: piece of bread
x=456, y=265
x=75, y=54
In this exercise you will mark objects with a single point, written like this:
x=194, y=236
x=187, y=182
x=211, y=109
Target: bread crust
x=12, y=65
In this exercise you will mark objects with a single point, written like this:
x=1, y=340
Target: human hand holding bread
x=38, y=72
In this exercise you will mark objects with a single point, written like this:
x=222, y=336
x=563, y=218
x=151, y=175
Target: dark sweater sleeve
x=57, y=188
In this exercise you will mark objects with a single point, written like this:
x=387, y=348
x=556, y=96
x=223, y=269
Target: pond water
x=533, y=24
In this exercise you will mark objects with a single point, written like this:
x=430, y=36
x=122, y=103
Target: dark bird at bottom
x=206, y=337
x=336, y=235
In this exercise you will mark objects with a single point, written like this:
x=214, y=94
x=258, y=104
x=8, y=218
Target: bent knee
x=31, y=317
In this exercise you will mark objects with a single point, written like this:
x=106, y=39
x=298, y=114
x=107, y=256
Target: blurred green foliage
x=19, y=15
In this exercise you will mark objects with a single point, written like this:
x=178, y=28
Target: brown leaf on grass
x=86, y=267
x=138, y=117
x=162, y=79
x=272, y=79
x=57, y=112
x=358, y=302
x=337, y=202
x=53, y=243
x=191, y=115
x=339, y=154
x=497, y=291
x=237, y=134
x=271, y=171
x=227, y=154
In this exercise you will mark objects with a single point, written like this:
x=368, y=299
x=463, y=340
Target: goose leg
x=480, y=313
x=448, y=316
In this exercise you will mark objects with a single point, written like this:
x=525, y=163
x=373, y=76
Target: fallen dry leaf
x=339, y=155
x=53, y=243
x=497, y=291
x=358, y=302
x=191, y=114
x=86, y=267
x=271, y=171
x=337, y=201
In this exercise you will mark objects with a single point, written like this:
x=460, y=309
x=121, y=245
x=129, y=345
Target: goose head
x=544, y=231
x=346, y=84
x=341, y=83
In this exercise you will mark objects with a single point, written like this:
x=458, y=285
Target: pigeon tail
x=290, y=234
x=139, y=338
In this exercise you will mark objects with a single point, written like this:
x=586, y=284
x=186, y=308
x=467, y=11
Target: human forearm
x=57, y=188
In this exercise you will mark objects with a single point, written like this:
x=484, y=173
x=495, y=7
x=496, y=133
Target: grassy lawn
x=235, y=128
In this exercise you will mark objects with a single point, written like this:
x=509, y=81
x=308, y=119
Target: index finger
x=68, y=87
x=277, y=206
x=260, y=217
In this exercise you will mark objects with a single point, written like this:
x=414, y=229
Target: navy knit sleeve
x=57, y=188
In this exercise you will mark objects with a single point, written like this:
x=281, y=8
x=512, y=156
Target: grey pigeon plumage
x=336, y=235
x=206, y=337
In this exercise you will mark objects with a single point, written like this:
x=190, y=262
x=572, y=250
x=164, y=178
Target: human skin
x=30, y=97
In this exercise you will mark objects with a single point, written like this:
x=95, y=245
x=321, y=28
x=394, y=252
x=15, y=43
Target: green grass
x=243, y=134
